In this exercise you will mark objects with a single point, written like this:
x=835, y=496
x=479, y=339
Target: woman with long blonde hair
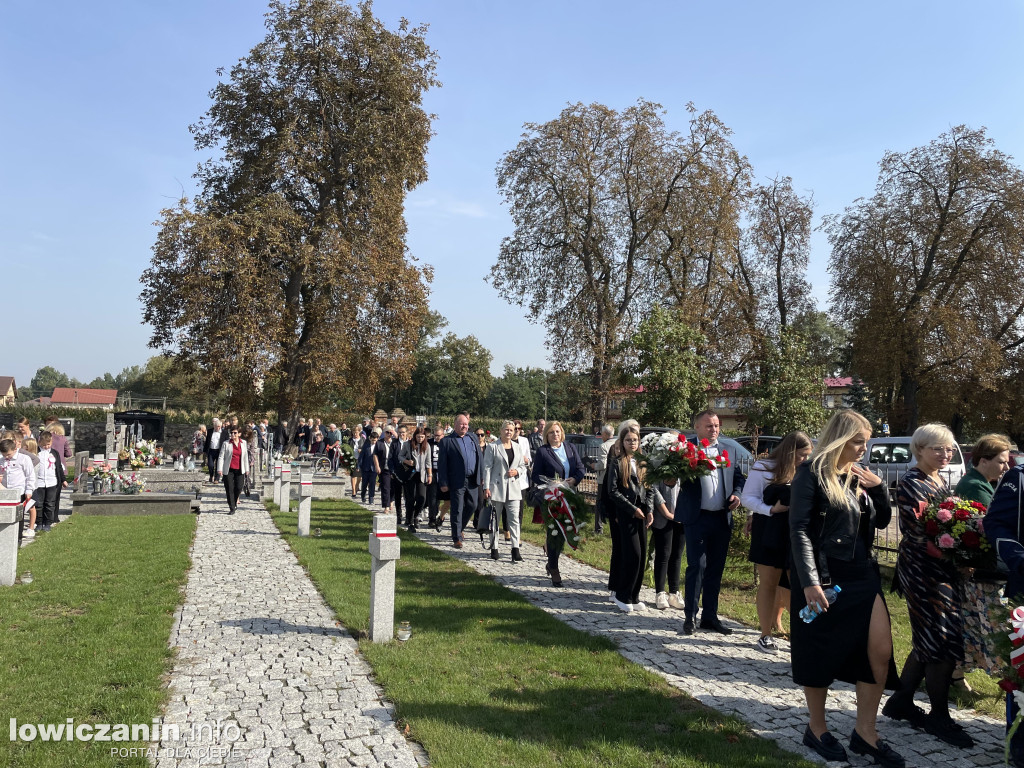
x=836, y=505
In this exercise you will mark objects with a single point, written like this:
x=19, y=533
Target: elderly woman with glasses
x=934, y=590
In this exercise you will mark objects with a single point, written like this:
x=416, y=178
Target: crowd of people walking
x=814, y=509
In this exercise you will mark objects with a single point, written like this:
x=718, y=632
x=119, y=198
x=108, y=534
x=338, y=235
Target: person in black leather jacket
x=835, y=507
x=633, y=503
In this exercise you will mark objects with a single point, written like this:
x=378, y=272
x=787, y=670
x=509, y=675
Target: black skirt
x=835, y=645
x=769, y=540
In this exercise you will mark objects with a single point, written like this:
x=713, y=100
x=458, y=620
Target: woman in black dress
x=836, y=505
x=767, y=495
x=934, y=590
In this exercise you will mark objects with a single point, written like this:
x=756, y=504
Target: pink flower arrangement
x=954, y=531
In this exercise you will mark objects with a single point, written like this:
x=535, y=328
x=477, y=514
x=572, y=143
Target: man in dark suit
x=399, y=472
x=704, y=507
x=460, y=472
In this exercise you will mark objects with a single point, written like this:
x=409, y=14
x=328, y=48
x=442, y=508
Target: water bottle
x=808, y=614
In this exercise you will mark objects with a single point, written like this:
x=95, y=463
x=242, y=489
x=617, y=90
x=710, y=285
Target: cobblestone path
x=259, y=651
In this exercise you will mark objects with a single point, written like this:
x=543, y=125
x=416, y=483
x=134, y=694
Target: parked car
x=890, y=458
x=765, y=443
x=588, y=447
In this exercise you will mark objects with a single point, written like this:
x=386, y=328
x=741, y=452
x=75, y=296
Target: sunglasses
x=479, y=434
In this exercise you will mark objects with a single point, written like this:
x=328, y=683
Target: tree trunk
x=908, y=388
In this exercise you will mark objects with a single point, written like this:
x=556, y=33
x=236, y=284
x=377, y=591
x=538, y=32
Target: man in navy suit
x=460, y=472
x=704, y=507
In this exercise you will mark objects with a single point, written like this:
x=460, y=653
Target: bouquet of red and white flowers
x=672, y=457
x=1008, y=647
x=565, y=506
x=955, y=531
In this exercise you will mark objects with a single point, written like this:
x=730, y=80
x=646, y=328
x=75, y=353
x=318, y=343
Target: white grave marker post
x=11, y=512
x=305, y=502
x=286, y=486
x=385, y=549
x=277, y=482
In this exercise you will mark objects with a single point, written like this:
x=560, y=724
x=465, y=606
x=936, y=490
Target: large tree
x=518, y=393
x=789, y=392
x=668, y=369
x=609, y=208
x=927, y=274
x=451, y=375
x=778, y=247
x=289, y=267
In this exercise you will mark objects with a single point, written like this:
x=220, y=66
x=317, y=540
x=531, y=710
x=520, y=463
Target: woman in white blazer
x=233, y=464
x=504, y=464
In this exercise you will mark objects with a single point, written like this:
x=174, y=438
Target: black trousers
x=397, y=490
x=385, y=489
x=415, y=498
x=633, y=558
x=233, y=486
x=465, y=504
x=707, y=546
x=615, y=567
x=668, y=543
x=211, y=462
x=46, y=505
x=433, y=499
x=600, y=513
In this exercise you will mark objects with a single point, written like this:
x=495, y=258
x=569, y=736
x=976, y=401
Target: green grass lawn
x=489, y=680
x=737, y=602
x=88, y=638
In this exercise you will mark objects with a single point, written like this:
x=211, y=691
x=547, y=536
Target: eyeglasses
x=941, y=450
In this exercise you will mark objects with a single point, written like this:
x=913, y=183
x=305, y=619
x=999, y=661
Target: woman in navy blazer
x=555, y=458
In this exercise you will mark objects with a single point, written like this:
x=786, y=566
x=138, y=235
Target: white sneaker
x=767, y=644
x=661, y=601
x=611, y=596
x=624, y=607
x=29, y=533
x=640, y=606
x=676, y=601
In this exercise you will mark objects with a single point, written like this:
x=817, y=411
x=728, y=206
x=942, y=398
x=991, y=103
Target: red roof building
x=83, y=397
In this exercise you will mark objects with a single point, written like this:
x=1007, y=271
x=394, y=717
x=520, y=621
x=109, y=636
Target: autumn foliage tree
x=289, y=266
x=926, y=273
x=612, y=212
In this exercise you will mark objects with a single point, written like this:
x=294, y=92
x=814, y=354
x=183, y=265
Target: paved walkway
x=728, y=674
x=259, y=651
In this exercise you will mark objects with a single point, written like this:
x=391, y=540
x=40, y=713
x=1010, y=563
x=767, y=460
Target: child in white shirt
x=17, y=472
x=49, y=481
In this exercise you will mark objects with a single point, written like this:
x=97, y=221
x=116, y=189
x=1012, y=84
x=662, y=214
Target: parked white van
x=890, y=458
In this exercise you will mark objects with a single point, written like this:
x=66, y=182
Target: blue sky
x=98, y=98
